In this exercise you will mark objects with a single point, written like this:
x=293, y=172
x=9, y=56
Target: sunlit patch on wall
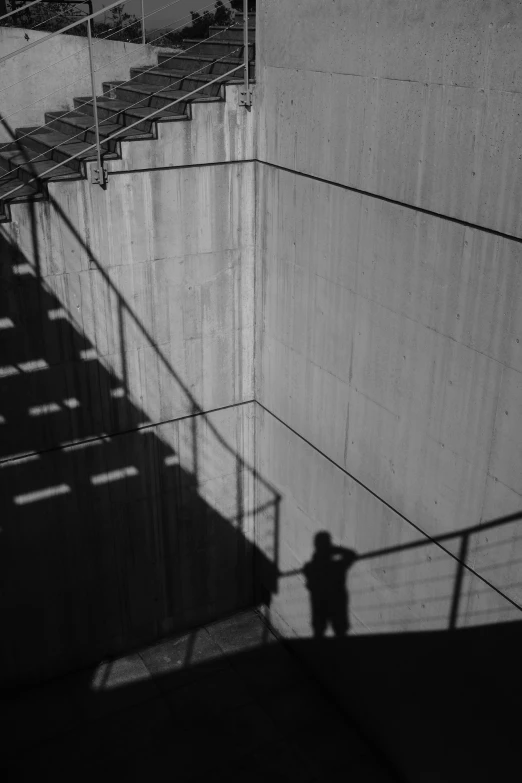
x=118, y=392
x=23, y=269
x=75, y=445
x=114, y=475
x=88, y=354
x=8, y=370
x=34, y=365
x=6, y=323
x=57, y=313
x=2, y=419
x=18, y=459
x=172, y=459
x=41, y=494
x=72, y=402
x=42, y=410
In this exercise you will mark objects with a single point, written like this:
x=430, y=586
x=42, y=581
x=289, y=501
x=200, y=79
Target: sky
x=177, y=11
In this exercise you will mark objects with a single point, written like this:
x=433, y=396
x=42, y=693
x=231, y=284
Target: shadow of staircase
x=106, y=539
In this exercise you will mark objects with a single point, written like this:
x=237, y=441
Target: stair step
x=77, y=123
x=170, y=72
x=25, y=192
x=121, y=113
x=221, y=33
x=217, y=47
x=145, y=95
x=194, y=62
x=162, y=77
x=21, y=163
x=58, y=147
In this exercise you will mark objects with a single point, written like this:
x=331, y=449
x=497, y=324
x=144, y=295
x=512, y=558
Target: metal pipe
x=142, y=21
x=245, y=41
x=100, y=180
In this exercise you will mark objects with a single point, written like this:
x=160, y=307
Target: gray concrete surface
x=419, y=103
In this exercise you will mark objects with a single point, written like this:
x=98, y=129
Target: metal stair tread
x=181, y=75
x=53, y=139
x=84, y=123
x=153, y=92
x=39, y=168
x=23, y=192
x=207, y=58
x=141, y=112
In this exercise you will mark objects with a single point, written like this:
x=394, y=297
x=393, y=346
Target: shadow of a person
x=325, y=576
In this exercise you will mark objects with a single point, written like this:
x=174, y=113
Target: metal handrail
x=127, y=127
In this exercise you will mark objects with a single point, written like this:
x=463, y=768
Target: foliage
x=237, y=5
x=50, y=17
x=118, y=25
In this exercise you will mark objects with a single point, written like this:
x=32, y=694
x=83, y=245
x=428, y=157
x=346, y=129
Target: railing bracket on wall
x=245, y=96
x=99, y=175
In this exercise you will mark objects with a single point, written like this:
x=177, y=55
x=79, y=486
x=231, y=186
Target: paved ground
x=224, y=703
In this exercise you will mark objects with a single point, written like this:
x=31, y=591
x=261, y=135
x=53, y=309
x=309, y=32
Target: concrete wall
x=388, y=358
x=388, y=337
x=430, y=661
x=127, y=320
x=419, y=103
x=388, y=353
x=29, y=87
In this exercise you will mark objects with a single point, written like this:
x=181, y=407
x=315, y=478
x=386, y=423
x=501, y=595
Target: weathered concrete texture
x=156, y=274
x=420, y=105
x=216, y=132
x=391, y=341
x=402, y=581
x=49, y=76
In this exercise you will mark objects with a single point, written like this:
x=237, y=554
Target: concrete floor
x=226, y=702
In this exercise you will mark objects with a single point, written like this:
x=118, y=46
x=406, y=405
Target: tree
x=237, y=5
x=199, y=28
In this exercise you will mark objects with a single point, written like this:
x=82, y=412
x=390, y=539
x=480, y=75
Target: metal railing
x=98, y=172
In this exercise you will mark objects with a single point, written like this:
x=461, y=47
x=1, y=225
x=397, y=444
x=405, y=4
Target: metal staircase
x=127, y=111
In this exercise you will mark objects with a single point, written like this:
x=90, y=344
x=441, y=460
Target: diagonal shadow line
x=124, y=307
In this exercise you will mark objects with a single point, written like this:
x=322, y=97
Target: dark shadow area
x=106, y=541
x=441, y=706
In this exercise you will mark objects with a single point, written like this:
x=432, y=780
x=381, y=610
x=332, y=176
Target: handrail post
x=245, y=40
x=245, y=92
x=142, y=21
x=98, y=175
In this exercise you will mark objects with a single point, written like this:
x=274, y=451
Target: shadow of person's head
x=323, y=545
